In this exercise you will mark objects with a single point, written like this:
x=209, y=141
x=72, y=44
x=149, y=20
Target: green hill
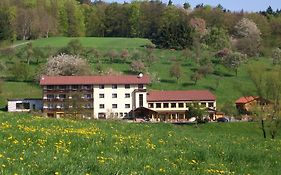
x=226, y=87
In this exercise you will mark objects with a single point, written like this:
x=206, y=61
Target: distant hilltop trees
x=163, y=23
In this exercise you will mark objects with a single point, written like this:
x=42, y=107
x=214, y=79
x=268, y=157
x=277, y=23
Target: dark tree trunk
x=263, y=129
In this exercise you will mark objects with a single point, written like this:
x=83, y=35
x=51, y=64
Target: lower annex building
x=116, y=96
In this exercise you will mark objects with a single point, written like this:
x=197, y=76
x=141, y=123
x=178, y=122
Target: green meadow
x=36, y=145
x=226, y=86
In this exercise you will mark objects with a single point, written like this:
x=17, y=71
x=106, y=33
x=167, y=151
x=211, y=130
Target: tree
x=112, y=55
x=74, y=47
x=234, y=60
x=268, y=86
x=204, y=70
x=175, y=71
x=195, y=77
x=186, y=5
x=248, y=37
x=1, y=86
x=66, y=65
x=20, y=72
x=138, y=66
x=197, y=111
x=124, y=54
x=7, y=20
x=174, y=32
x=217, y=38
x=276, y=56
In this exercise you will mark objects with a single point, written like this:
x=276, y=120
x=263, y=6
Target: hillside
x=226, y=87
x=35, y=145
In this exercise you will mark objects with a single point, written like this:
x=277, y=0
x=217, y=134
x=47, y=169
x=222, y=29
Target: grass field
x=93, y=42
x=19, y=90
x=34, y=145
x=227, y=88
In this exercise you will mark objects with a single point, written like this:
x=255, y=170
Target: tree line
x=31, y=19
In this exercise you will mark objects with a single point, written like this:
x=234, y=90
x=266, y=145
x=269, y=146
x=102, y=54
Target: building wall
x=121, y=101
x=12, y=105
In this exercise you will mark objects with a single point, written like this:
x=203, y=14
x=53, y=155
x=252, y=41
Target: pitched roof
x=185, y=95
x=244, y=100
x=103, y=79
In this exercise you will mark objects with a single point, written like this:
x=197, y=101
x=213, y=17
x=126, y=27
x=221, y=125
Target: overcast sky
x=233, y=5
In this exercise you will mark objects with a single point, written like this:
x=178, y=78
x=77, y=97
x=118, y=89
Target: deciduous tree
x=66, y=65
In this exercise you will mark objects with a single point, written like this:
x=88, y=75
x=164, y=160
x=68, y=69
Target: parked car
x=222, y=119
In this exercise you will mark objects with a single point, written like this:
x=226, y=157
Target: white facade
x=117, y=100
x=24, y=105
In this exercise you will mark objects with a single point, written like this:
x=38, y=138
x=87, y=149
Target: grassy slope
x=19, y=90
x=95, y=42
x=229, y=89
x=32, y=145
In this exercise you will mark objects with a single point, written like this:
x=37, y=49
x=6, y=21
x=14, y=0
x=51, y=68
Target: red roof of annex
x=101, y=79
x=245, y=100
x=181, y=95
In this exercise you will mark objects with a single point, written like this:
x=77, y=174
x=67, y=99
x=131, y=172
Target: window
x=114, y=106
x=127, y=86
x=187, y=105
x=87, y=87
x=127, y=95
x=125, y=114
x=114, y=95
x=101, y=86
x=50, y=106
x=203, y=104
x=62, y=87
x=180, y=105
x=22, y=106
x=50, y=87
x=166, y=105
x=140, y=86
x=211, y=104
x=62, y=96
x=87, y=96
x=173, y=105
x=74, y=87
x=121, y=114
x=127, y=105
x=114, y=86
x=150, y=105
x=140, y=100
x=116, y=114
x=158, y=105
x=101, y=95
x=101, y=106
x=50, y=96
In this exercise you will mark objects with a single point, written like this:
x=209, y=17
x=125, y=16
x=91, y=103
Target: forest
x=167, y=25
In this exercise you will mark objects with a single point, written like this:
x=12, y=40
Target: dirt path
x=16, y=45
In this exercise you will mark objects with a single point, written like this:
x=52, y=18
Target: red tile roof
x=186, y=95
x=245, y=100
x=104, y=79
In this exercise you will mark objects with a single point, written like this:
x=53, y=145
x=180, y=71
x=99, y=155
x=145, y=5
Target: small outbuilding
x=25, y=104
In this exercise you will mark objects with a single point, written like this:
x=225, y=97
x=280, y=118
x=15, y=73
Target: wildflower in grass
x=57, y=173
x=21, y=158
x=147, y=167
x=162, y=170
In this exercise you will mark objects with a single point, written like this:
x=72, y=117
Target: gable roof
x=244, y=100
x=102, y=79
x=184, y=95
